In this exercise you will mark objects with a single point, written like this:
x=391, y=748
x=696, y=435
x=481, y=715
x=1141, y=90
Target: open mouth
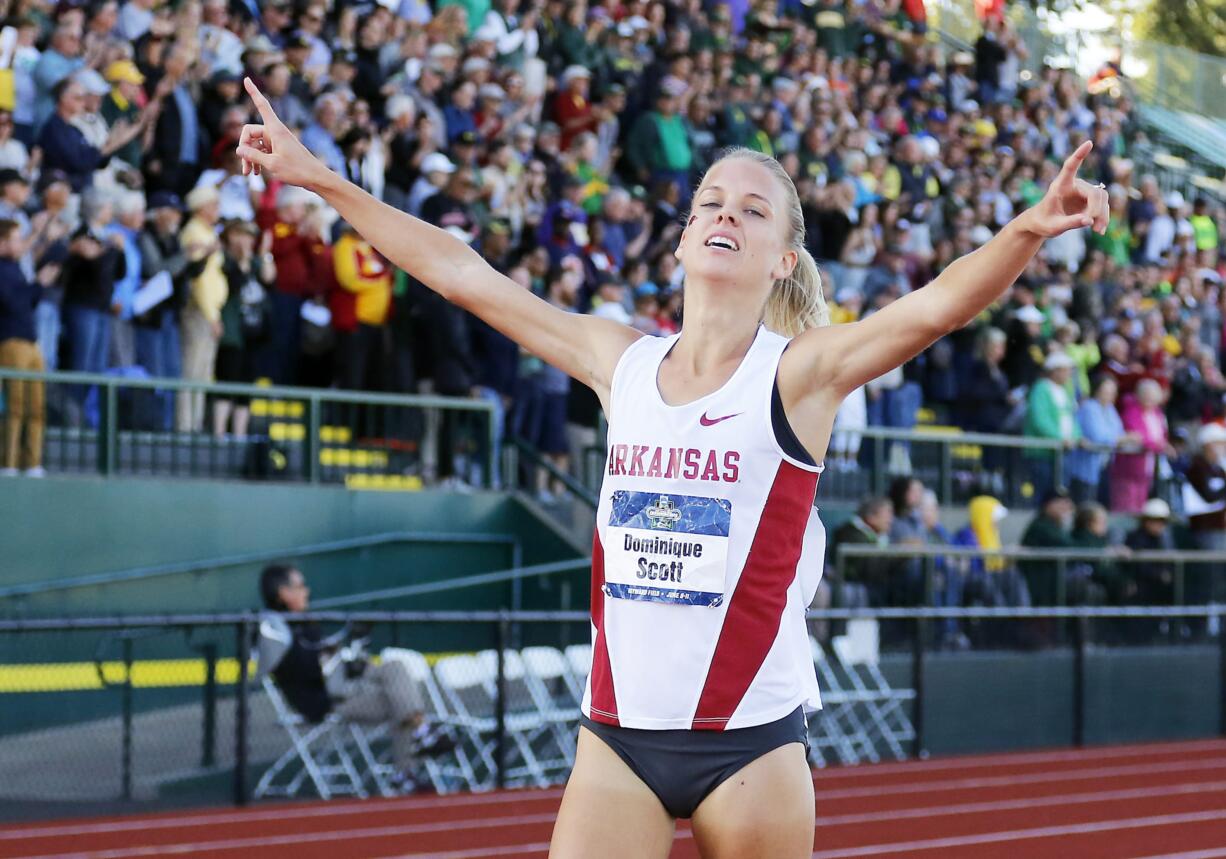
x=722, y=242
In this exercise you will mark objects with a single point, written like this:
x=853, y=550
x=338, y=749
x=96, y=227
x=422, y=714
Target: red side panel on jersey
x=757, y=604
x=604, y=702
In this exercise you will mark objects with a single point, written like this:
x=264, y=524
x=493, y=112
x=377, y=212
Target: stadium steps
x=1202, y=136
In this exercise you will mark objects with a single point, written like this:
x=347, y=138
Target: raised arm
x=585, y=347
x=838, y=359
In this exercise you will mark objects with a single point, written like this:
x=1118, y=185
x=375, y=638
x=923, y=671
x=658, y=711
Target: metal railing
x=1058, y=565
x=121, y=713
x=114, y=425
x=154, y=572
x=956, y=465
x=386, y=441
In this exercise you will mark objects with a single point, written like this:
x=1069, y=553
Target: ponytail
x=797, y=303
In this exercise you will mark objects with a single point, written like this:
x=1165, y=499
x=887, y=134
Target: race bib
x=667, y=548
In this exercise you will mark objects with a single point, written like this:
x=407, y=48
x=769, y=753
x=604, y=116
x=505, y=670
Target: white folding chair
x=838, y=727
x=858, y=653
x=444, y=772
x=462, y=681
x=539, y=751
x=579, y=657
x=317, y=754
x=548, y=677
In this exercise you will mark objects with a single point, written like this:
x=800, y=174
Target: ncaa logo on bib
x=663, y=515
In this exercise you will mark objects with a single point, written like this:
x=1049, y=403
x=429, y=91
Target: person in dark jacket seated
x=315, y=682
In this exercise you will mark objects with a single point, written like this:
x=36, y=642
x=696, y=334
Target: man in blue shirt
x=320, y=135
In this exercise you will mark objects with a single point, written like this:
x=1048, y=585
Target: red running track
x=1161, y=801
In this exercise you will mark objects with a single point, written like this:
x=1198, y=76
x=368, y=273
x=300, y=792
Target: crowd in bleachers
x=1100, y=566
x=563, y=139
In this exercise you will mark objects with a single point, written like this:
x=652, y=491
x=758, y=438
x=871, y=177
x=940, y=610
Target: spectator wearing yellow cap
x=124, y=103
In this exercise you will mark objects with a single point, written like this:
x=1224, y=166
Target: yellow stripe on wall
x=146, y=674
x=79, y=676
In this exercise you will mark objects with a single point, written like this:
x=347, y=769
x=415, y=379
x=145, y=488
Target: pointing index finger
x=1068, y=173
x=261, y=103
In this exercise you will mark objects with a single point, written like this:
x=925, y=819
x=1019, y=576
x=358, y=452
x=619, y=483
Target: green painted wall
x=994, y=701
x=65, y=528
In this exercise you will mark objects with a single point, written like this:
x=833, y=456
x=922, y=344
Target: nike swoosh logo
x=710, y=422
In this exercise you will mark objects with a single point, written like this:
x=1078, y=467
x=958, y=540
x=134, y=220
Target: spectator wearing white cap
x=1150, y=582
x=90, y=120
x=572, y=108
x=1051, y=413
x=1204, y=504
x=401, y=142
x=436, y=169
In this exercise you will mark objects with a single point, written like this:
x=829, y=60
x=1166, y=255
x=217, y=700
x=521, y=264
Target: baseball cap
x=1058, y=361
x=164, y=200
x=297, y=40
x=673, y=86
x=1054, y=494
x=437, y=162
x=124, y=71
x=1211, y=434
x=1029, y=313
x=93, y=82
x=1156, y=508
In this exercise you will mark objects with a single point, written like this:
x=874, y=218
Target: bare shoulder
x=812, y=360
x=606, y=342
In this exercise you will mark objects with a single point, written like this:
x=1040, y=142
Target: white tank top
x=706, y=554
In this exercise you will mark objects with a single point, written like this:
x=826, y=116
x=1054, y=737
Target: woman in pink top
x=1132, y=473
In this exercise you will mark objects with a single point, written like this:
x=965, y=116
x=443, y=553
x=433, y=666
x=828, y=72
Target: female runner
x=708, y=547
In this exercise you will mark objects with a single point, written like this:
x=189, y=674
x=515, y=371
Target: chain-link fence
x=105, y=716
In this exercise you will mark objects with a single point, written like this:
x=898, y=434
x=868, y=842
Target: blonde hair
x=796, y=303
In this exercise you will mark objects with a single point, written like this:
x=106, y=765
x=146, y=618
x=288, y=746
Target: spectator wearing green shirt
x=1204, y=228
x=659, y=146
x=476, y=9
x=122, y=103
x=1051, y=413
x=1116, y=242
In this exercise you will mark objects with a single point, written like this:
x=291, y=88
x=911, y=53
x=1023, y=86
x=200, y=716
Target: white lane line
x=481, y=852
x=1023, y=834
x=509, y=850
x=527, y=820
x=281, y=812
x=1213, y=853
x=298, y=838
x=346, y=809
x=343, y=807
x=1023, y=758
x=1019, y=804
x=1030, y=778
